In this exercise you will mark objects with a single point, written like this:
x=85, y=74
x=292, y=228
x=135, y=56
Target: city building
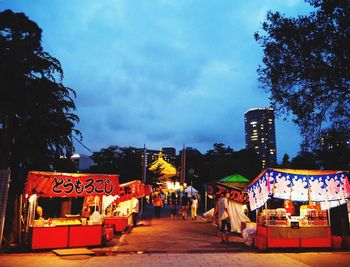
x=260, y=134
x=81, y=161
x=170, y=151
x=332, y=139
x=169, y=155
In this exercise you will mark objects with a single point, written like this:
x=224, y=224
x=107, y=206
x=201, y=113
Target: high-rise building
x=260, y=134
x=333, y=139
x=81, y=161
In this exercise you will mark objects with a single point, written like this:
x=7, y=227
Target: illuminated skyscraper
x=260, y=134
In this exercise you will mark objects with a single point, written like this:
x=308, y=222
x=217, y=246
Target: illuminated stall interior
x=292, y=206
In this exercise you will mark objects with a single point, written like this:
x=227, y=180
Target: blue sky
x=161, y=72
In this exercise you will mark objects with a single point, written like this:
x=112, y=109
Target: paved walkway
x=165, y=242
x=176, y=236
x=316, y=259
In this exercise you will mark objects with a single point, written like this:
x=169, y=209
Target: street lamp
x=191, y=172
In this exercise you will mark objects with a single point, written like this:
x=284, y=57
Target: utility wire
x=82, y=144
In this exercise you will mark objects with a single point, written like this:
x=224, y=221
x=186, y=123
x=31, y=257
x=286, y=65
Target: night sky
x=161, y=72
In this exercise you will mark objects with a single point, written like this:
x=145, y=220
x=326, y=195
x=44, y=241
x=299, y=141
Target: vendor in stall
x=86, y=212
x=289, y=207
x=95, y=217
x=39, y=213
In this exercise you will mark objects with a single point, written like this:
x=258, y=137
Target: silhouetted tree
x=222, y=161
x=306, y=66
x=36, y=109
x=106, y=160
x=247, y=163
x=305, y=160
x=130, y=164
x=155, y=177
x=285, y=161
x=220, y=150
x=334, y=149
x=125, y=161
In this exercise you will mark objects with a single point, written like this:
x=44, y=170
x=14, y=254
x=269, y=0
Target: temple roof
x=166, y=168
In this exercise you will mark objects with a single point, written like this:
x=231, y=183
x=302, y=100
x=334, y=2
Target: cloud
x=161, y=73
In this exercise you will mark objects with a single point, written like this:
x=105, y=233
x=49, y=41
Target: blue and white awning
x=299, y=185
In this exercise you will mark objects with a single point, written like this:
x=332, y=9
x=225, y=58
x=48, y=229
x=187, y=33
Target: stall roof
x=53, y=184
x=297, y=171
x=299, y=185
x=233, y=178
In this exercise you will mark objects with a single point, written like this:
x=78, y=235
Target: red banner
x=236, y=194
x=129, y=190
x=146, y=189
x=133, y=189
x=51, y=184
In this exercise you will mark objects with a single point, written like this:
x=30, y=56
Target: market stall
x=305, y=197
x=237, y=203
x=72, y=230
x=118, y=212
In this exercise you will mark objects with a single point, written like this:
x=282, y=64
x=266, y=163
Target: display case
x=276, y=229
x=63, y=233
x=121, y=217
x=279, y=217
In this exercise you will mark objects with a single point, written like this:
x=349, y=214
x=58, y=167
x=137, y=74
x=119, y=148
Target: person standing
x=185, y=202
x=172, y=205
x=222, y=213
x=39, y=213
x=194, y=207
x=135, y=208
x=157, y=204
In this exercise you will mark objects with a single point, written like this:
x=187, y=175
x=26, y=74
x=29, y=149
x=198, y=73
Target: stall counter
x=287, y=237
x=65, y=236
x=119, y=223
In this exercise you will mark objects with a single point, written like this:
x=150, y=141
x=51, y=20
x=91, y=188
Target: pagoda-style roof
x=166, y=168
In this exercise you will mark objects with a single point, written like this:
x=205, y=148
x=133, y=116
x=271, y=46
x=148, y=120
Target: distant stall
x=117, y=211
x=302, y=220
x=237, y=204
x=72, y=230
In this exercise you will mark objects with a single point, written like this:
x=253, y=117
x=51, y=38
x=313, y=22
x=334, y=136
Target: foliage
x=37, y=119
x=155, y=177
x=305, y=160
x=222, y=161
x=333, y=150
x=36, y=109
x=106, y=160
x=125, y=161
x=306, y=66
x=285, y=161
x=220, y=150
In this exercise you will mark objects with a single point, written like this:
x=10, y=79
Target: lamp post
x=191, y=172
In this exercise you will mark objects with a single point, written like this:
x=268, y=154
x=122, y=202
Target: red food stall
x=278, y=227
x=120, y=218
x=72, y=230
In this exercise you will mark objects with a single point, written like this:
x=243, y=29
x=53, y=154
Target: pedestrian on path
x=194, y=207
x=222, y=213
x=157, y=204
x=172, y=205
x=135, y=208
x=185, y=202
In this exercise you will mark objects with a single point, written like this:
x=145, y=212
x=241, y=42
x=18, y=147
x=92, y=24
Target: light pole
x=191, y=172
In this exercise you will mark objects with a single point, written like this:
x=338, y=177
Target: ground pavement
x=176, y=235
x=165, y=242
